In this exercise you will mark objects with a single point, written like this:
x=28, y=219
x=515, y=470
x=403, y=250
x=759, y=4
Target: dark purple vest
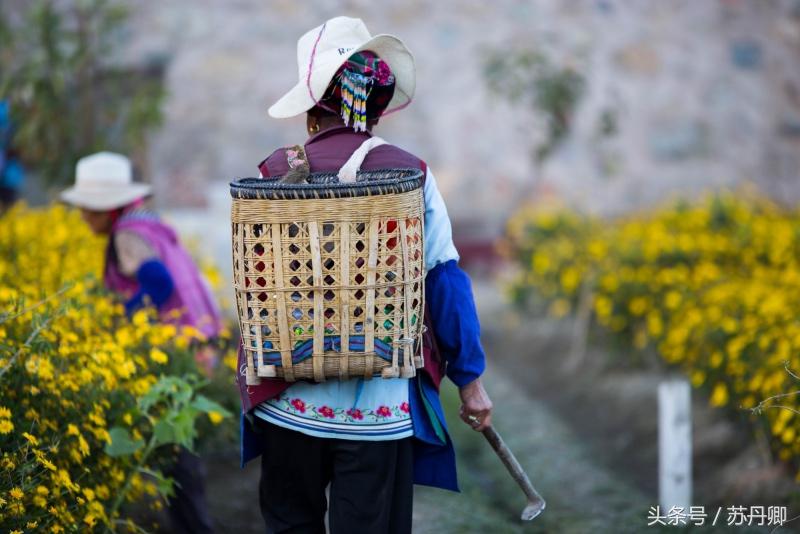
x=328, y=150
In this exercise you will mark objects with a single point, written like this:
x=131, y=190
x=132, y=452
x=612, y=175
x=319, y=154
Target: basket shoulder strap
x=347, y=174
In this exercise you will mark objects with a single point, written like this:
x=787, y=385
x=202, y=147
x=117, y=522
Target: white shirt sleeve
x=438, y=244
x=132, y=250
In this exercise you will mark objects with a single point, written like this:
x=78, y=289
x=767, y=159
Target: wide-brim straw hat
x=320, y=53
x=104, y=181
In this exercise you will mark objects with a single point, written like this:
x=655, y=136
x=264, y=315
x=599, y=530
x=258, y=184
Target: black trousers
x=371, y=483
x=188, y=510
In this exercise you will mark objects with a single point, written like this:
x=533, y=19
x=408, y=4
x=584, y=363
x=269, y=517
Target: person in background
x=146, y=264
x=11, y=172
x=371, y=440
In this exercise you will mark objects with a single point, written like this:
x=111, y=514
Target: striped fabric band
x=319, y=427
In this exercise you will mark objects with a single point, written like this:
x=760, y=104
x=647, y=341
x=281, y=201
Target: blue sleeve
x=155, y=282
x=448, y=292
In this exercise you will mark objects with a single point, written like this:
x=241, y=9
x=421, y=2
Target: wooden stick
x=536, y=503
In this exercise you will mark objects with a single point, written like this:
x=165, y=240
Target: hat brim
x=388, y=47
x=105, y=199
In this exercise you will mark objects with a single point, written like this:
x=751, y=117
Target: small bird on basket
x=298, y=166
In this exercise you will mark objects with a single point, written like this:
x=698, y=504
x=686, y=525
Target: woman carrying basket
x=371, y=440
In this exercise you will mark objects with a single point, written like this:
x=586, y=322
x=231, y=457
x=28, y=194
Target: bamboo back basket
x=329, y=277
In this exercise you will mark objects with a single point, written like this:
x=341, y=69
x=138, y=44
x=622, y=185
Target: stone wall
x=701, y=94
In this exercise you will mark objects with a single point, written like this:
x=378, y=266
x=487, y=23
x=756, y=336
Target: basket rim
x=273, y=183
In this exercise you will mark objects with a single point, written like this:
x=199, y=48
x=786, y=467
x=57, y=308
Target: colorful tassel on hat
x=354, y=82
x=355, y=91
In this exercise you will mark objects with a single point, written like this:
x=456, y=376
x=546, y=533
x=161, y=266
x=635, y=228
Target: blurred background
x=623, y=179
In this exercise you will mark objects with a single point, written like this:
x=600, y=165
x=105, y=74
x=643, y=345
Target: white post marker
x=674, y=445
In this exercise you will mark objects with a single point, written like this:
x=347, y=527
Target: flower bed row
x=86, y=396
x=712, y=286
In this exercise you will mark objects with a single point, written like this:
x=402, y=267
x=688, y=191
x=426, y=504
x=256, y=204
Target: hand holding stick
x=476, y=411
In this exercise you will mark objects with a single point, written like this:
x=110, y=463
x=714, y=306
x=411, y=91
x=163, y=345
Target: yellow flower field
x=73, y=371
x=713, y=287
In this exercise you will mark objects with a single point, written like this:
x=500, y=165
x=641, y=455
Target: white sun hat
x=320, y=53
x=104, y=181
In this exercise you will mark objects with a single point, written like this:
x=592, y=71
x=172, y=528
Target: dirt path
x=581, y=497
x=583, y=494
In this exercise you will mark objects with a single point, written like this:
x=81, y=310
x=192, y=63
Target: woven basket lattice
x=328, y=276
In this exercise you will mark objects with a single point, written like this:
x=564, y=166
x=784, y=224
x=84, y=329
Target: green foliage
x=171, y=408
x=121, y=443
x=530, y=78
x=67, y=97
